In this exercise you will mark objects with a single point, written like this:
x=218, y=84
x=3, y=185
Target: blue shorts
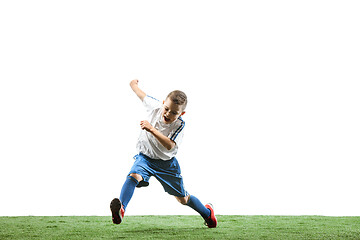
x=168, y=173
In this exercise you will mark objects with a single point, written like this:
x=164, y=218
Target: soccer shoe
x=211, y=221
x=117, y=211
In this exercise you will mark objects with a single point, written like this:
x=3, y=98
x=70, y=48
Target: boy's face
x=171, y=111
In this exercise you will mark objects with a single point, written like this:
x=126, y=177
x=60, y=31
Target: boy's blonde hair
x=179, y=98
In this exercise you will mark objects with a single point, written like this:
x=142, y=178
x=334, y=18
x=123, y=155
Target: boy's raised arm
x=134, y=86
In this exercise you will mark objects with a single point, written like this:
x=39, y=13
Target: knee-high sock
x=127, y=190
x=195, y=204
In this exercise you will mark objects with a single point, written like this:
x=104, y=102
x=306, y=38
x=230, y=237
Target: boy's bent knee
x=183, y=200
x=136, y=176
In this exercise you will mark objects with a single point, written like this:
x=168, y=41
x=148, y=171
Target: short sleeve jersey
x=148, y=144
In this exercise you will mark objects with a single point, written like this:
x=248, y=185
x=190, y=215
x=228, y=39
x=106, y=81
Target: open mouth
x=166, y=119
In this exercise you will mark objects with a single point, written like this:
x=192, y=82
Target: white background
x=272, y=124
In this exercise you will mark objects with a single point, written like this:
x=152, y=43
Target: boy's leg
x=128, y=188
x=206, y=211
x=118, y=206
x=172, y=182
x=195, y=204
x=139, y=171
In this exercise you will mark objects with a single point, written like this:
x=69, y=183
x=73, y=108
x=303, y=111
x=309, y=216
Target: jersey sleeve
x=151, y=103
x=177, y=134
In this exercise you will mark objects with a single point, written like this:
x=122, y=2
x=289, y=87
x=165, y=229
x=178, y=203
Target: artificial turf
x=180, y=227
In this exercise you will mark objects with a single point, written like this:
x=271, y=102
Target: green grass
x=180, y=227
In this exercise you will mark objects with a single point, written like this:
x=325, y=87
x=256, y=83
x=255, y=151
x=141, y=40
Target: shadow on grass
x=165, y=230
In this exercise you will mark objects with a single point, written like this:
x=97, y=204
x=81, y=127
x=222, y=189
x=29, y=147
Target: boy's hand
x=134, y=82
x=145, y=125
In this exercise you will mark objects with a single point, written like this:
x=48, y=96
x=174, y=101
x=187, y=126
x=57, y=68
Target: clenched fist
x=145, y=125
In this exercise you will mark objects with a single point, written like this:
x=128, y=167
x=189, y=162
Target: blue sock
x=195, y=204
x=127, y=190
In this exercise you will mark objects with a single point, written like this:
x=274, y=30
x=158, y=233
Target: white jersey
x=148, y=144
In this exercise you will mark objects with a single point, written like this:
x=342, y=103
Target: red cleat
x=211, y=221
x=117, y=211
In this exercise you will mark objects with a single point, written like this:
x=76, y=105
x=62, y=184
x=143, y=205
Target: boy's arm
x=134, y=86
x=165, y=141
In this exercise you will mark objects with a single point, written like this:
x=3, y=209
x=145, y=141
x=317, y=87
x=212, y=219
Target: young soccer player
x=157, y=145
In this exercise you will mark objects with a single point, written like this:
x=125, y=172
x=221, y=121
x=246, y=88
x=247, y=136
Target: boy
x=157, y=146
